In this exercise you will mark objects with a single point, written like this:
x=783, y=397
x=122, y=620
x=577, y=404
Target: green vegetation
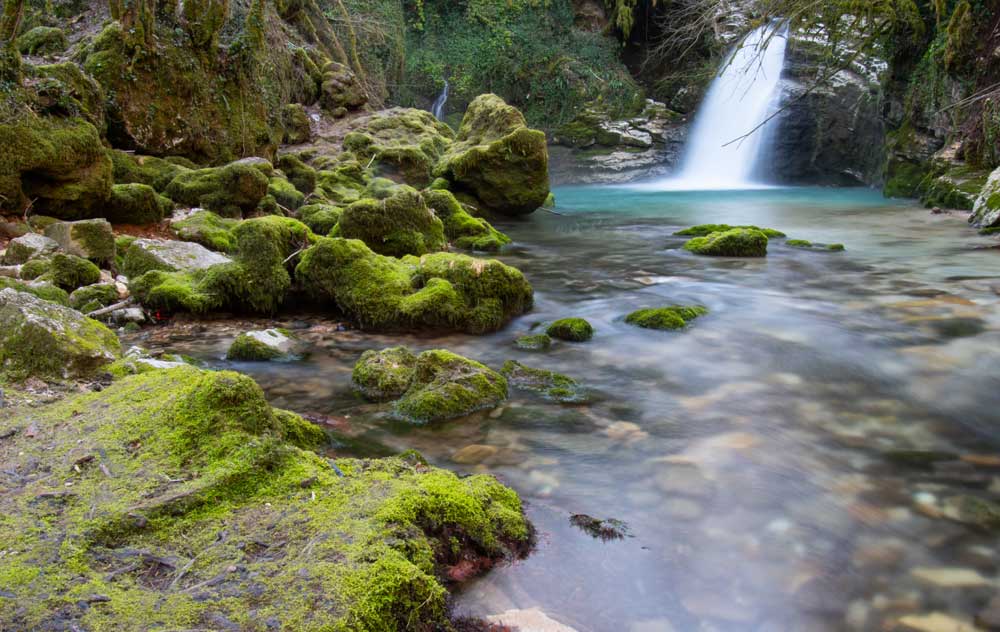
x=208, y=229
x=384, y=375
x=396, y=226
x=571, y=329
x=445, y=386
x=703, y=230
x=669, y=317
x=534, y=342
x=69, y=272
x=734, y=242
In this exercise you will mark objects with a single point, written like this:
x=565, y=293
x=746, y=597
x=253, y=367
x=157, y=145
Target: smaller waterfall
x=721, y=152
x=438, y=108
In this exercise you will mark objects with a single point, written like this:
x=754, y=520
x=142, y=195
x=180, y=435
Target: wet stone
x=683, y=478
x=473, y=454
x=949, y=577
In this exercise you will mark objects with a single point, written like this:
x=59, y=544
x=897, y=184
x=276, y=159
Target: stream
x=790, y=462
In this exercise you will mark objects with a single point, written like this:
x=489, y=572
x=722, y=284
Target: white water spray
x=438, y=108
x=726, y=146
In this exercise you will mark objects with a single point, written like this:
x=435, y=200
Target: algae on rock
x=446, y=385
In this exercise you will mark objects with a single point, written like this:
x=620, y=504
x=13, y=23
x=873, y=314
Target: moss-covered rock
x=396, y=226
x=548, y=384
x=703, y=230
x=284, y=193
x=35, y=268
x=136, y=204
x=384, y=375
x=231, y=191
x=63, y=89
x=378, y=533
x=69, y=272
x=340, y=89
x=91, y=239
x=42, y=40
x=404, y=142
x=986, y=210
x=263, y=345
x=42, y=289
x=296, y=128
x=951, y=185
x=571, y=329
x=342, y=184
x=735, y=242
x=208, y=229
x=462, y=229
x=534, y=342
x=144, y=255
x=40, y=338
x=497, y=159
x=669, y=317
x=26, y=247
x=320, y=218
x=57, y=164
x=132, y=168
x=92, y=297
x=446, y=385
x=808, y=245
x=301, y=175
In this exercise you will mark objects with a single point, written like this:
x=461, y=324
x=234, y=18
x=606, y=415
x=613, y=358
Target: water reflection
x=803, y=458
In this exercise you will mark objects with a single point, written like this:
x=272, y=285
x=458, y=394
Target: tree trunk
x=10, y=23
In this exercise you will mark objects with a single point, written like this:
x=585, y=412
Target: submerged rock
x=670, y=317
x=446, y=385
x=808, y=245
x=549, y=384
x=42, y=339
x=703, y=230
x=386, y=374
x=534, y=342
x=571, y=329
x=609, y=529
x=317, y=544
x=735, y=242
x=265, y=344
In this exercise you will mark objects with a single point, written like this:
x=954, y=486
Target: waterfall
x=719, y=153
x=438, y=108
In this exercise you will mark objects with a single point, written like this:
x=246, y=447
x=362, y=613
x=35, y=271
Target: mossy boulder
x=92, y=297
x=91, y=239
x=404, y=142
x=462, y=229
x=144, y=255
x=263, y=345
x=63, y=89
x=952, y=185
x=132, y=168
x=42, y=289
x=69, y=272
x=986, y=210
x=296, y=128
x=35, y=268
x=703, y=230
x=208, y=229
x=136, y=204
x=735, y=242
x=320, y=218
x=534, y=342
x=42, y=40
x=497, y=159
x=232, y=191
x=808, y=245
x=301, y=175
x=548, y=384
x=445, y=386
x=398, y=225
x=26, y=247
x=440, y=291
x=384, y=375
x=57, y=164
x=571, y=329
x=40, y=338
x=342, y=184
x=377, y=533
x=669, y=317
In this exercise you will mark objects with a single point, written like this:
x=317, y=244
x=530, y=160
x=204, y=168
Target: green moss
x=341, y=185
x=69, y=272
x=269, y=344
x=799, y=243
x=43, y=290
x=735, y=242
x=174, y=292
x=571, y=329
x=136, y=204
x=808, y=245
x=446, y=385
x=90, y=297
x=232, y=190
x=703, y=230
x=549, y=384
x=285, y=193
x=463, y=230
x=320, y=218
x=407, y=142
x=670, y=317
x=399, y=225
x=903, y=179
x=42, y=40
x=384, y=375
x=298, y=173
x=534, y=342
x=377, y=532
x=35, y=268
x=208, y=229
x=155, y=172
x=295, y=124
x=92, y=239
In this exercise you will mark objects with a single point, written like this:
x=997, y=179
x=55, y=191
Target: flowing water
x=725, y=146
x=437, y=109
x=760, y=458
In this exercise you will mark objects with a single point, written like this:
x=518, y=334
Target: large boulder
x=497, y=159
x=29, y=246
x=150, y=170
x=136, y=203
x=168, y=255
x=406, y=143
x=734, y=242
x=40, y=338
x=384, y=375
x=215, y=547
x=208, y=229
x=401, y=224
x=446, y=385
x=231, y=191
x=986, y=210
x=462, y=229
x=90, y=238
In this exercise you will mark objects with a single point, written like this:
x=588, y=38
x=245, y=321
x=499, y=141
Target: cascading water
x=721, y=151
x=438, y=108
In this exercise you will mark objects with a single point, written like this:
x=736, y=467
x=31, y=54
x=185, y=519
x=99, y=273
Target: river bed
x=798, y=459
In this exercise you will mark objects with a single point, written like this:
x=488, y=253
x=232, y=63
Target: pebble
x=683, y=478
x=530, y=620
x=473, y=454
x=950, y=577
